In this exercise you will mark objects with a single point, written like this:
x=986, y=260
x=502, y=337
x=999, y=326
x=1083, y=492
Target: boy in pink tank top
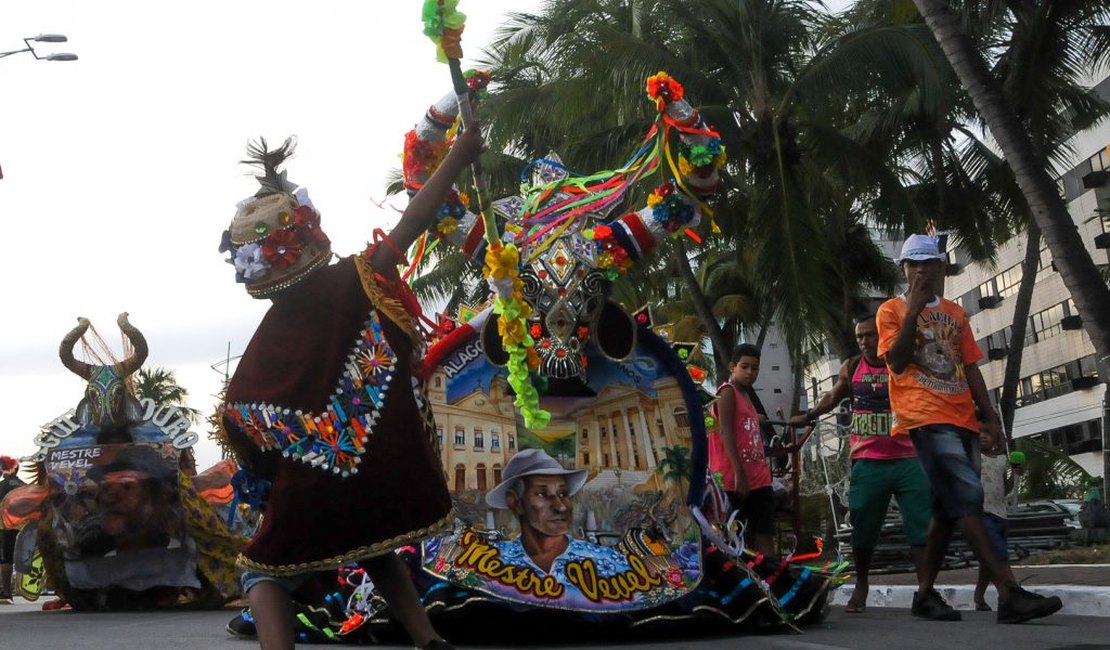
x=736, y=450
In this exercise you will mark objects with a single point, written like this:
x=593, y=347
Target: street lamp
x=43, y=38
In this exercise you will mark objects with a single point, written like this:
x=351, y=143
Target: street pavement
x=25, y=627
x=1084, y=588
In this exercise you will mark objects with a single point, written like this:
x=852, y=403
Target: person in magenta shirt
x=882, y=466
x=736, y=450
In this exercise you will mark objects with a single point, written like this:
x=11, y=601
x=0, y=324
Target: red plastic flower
x=281, y=249
x=662, y=88
x=536, y=332
x=307, y=222
x=674, y=577
x=602, y=232
x=697, y=374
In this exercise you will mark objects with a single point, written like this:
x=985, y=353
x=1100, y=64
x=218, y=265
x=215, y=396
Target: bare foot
x=857, y=603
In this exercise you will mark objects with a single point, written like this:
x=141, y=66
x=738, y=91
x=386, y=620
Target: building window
x=460, y=478
x=512, y=442
x=460, y=437
x=1044, y=265
x=585, y=435
x=496, y=474
x=439, y=436
x=585, y=458
x=680, y=417
x=481, y=470
x=1008, y=281
x=1055, y=381
x=604, y=433
x=774, y=368
x=1045, y=324
x=479, y=439
x=495, y=440
x=439, y=382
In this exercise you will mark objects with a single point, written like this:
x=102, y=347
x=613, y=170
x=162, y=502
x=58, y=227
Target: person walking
x=883, y=466
x=9, y=480
x=935, y=388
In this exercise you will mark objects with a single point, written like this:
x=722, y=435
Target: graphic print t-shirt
x=871, y=417
x=933, y=388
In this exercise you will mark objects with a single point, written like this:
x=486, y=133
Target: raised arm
x=425, y=204
x=840, y=390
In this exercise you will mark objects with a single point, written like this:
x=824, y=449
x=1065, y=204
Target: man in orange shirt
x=935, y=389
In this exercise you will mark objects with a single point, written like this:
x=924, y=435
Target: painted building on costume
x=477, y=435
x=620, y=436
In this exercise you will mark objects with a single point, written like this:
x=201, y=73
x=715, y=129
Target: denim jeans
x=950, y=456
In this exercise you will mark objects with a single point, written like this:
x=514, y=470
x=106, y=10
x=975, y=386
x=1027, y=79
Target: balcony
x=1102, y=241
x=1084, y=383
x=1071, y=323
x=1096, y=179
x=996, y=354
x=990, y=302
x=953, y=269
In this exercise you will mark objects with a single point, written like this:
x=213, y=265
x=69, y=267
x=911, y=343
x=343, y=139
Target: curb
x=1079, y=600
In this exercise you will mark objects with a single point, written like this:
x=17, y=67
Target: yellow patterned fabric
x=217, y=548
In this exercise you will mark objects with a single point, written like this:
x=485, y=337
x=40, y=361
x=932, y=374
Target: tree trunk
x=1008, y=401
x=704, y=311
x=1050, y=213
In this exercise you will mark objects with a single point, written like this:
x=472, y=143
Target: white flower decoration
x=249, y=263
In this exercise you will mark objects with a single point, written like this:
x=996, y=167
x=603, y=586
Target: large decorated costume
x=117, y=517
x=553, y=372
x=323, y=403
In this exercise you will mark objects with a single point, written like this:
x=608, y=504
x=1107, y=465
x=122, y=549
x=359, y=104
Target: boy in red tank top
x=736, y=450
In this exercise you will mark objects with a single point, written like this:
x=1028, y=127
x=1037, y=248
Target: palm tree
x=160, y=386
x=571, y=78
x=675, y=465
x=1050, y=214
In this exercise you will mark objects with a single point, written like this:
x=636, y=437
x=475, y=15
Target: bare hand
x=990, y=437
x=919, y=294
x=469, y=144
x=742, y=489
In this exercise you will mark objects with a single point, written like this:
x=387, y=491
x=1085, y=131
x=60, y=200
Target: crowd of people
x=923, y=431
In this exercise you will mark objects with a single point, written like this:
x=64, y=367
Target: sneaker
x=242, y=626
x=933, y=607
x=1022, y=605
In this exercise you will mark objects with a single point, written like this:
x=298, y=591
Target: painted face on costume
x=867, y=338
x=125, y=501
x=745, y=371
x=546, y=505
x=929, y=271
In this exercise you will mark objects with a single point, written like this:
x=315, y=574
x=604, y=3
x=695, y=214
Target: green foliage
x=1050, y=473
x=160, y=385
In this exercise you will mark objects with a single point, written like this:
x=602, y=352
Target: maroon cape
x=314, y=519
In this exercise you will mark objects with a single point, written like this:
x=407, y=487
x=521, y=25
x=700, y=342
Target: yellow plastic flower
x=684, y=166
x=448, y=225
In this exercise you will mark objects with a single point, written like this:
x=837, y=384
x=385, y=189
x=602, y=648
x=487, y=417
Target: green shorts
x=873, y=483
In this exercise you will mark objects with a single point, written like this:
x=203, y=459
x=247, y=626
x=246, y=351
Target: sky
x=121, y=168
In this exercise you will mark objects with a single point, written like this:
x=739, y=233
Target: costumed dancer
x=9, y=480
x=324, y=402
